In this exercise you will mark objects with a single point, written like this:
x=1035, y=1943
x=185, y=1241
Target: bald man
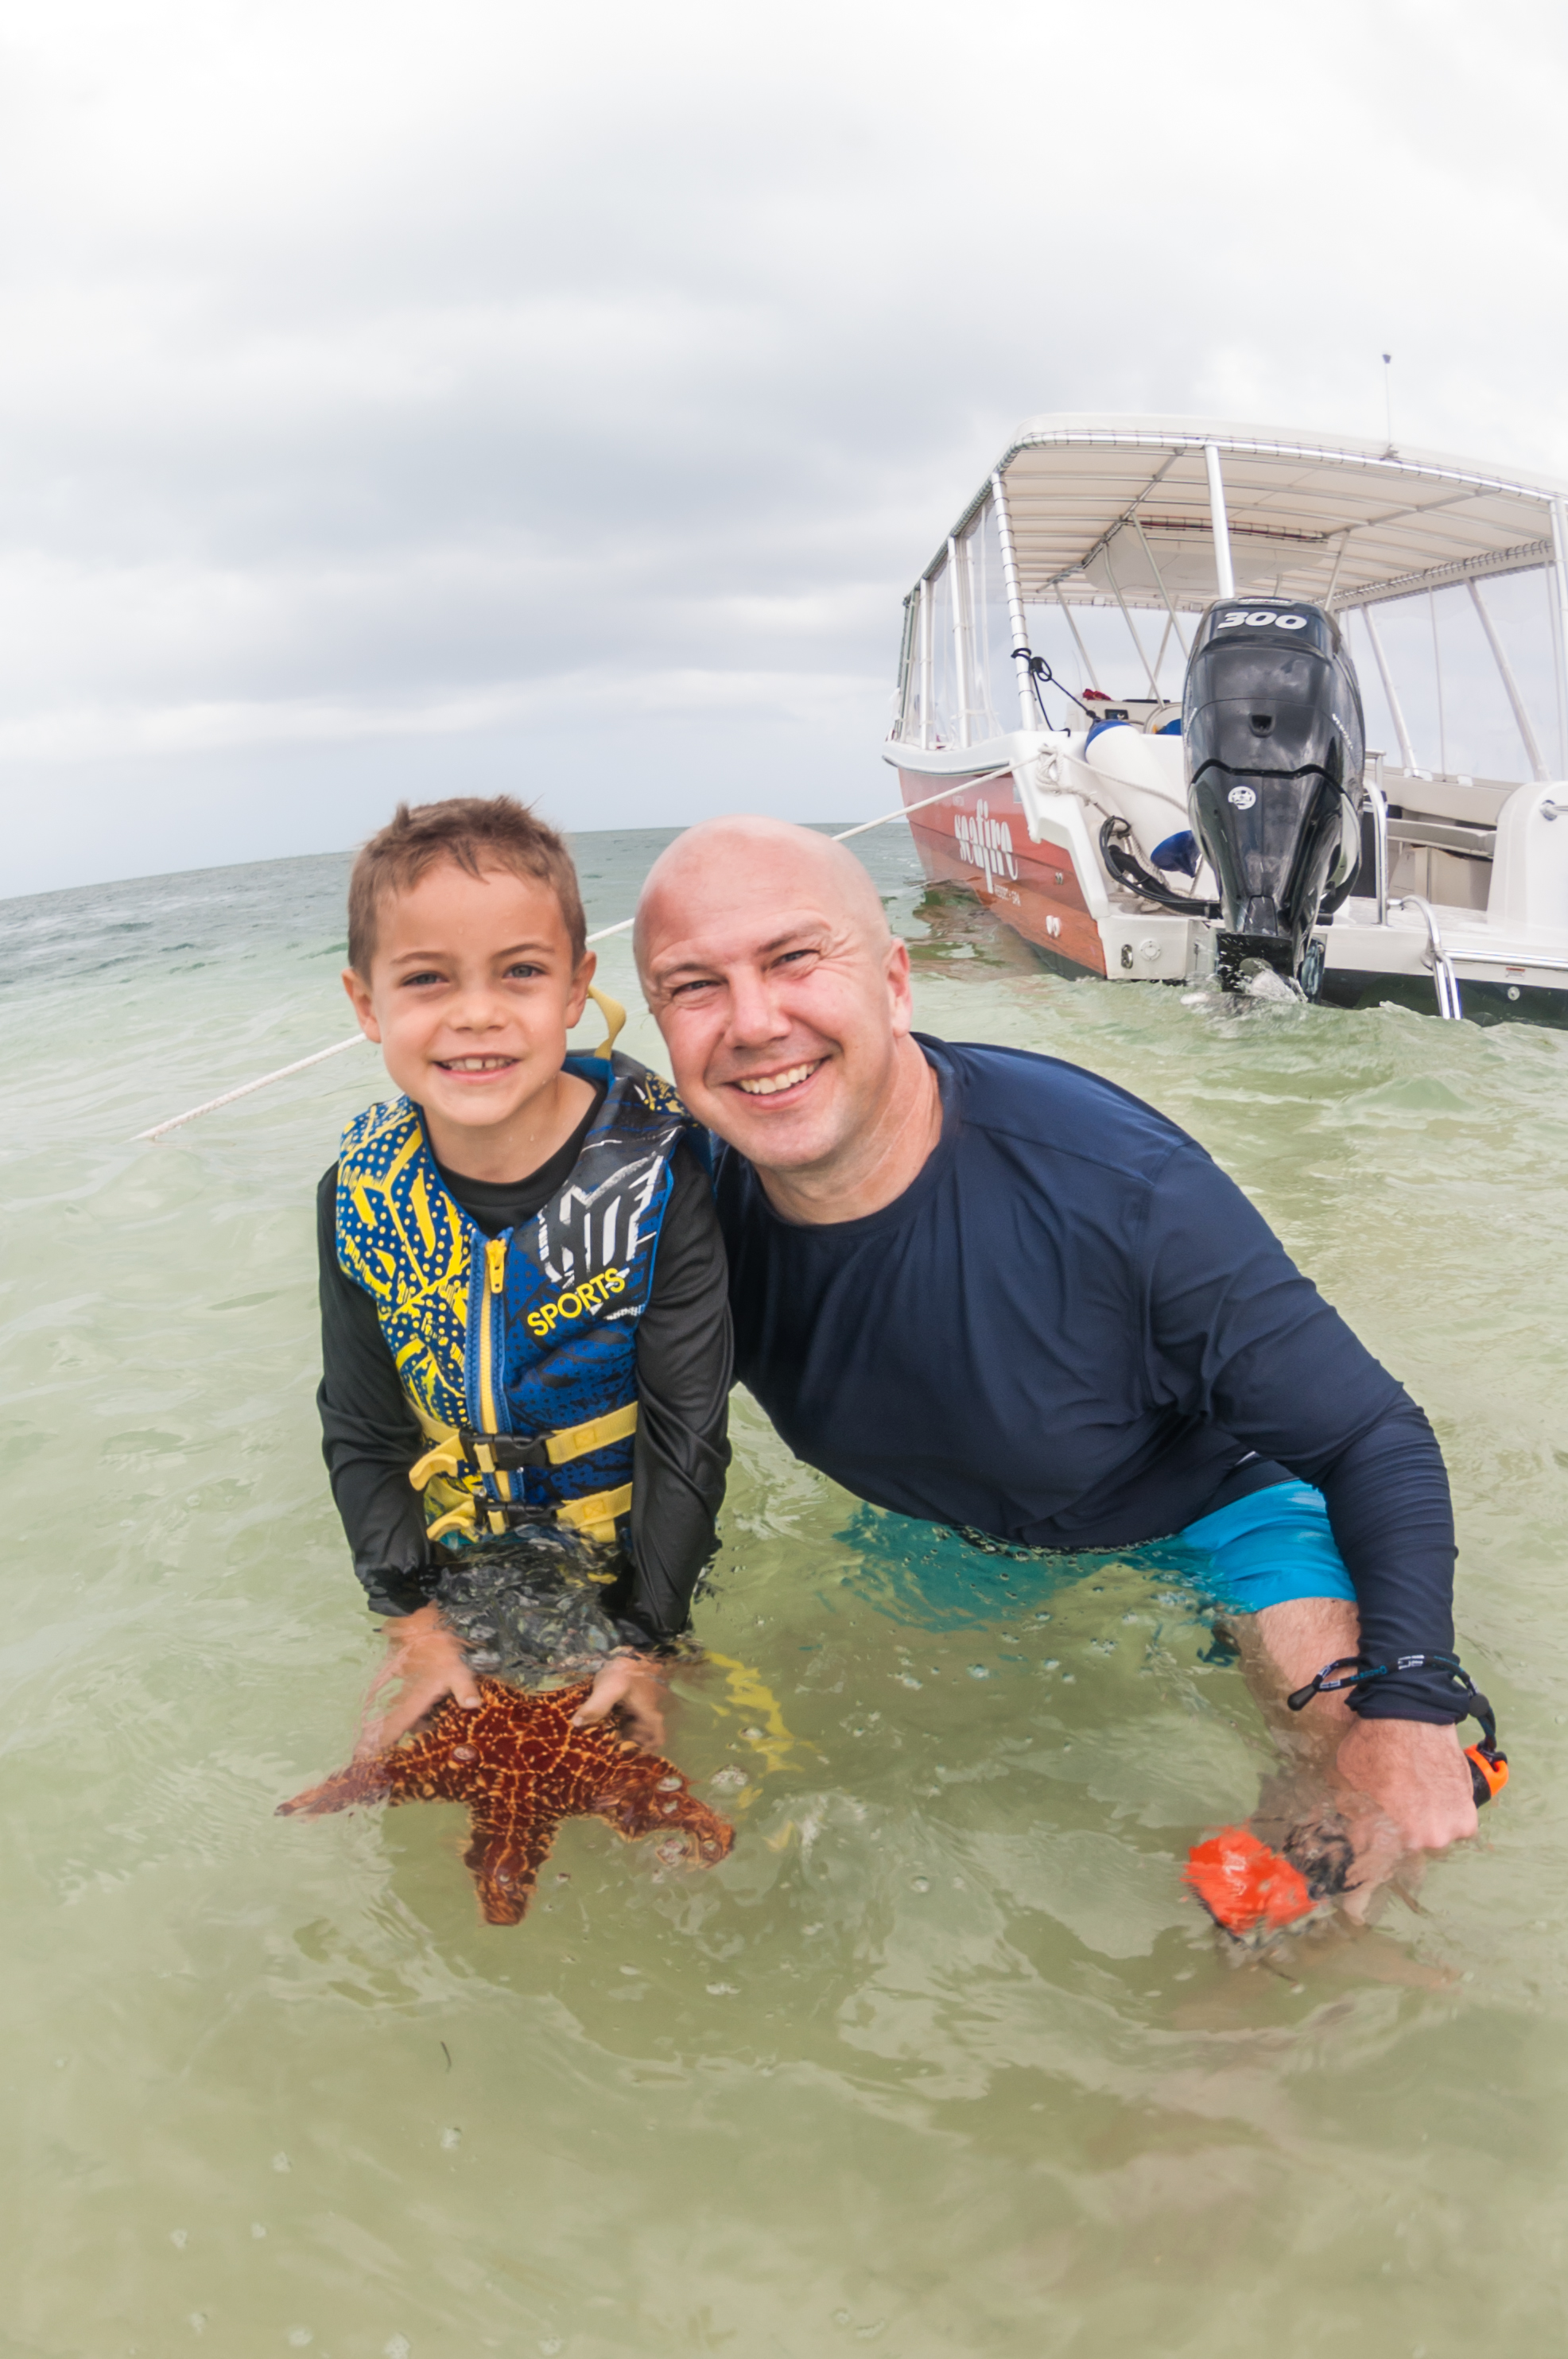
x=990, y=1290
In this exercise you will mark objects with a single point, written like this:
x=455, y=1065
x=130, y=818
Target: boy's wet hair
x=480, y=833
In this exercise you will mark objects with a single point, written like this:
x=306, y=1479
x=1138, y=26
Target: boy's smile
x=471, y=992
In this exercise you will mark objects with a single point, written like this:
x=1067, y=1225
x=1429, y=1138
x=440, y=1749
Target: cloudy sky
x=404, y=398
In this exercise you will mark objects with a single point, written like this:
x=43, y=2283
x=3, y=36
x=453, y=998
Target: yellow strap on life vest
x=597, y=1433
x=461, y=1518
x=615, y=1017
x=593, y=1516
x=571, y=1441
x=446, y=1458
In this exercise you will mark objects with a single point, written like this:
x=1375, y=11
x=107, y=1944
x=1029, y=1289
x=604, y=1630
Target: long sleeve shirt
x=1073, y=1330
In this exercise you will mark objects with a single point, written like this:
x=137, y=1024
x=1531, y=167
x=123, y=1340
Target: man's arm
x=1244, y=1341
x=685, y=1366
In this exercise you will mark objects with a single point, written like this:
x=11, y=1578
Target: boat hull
x=1042, y=881
x=979, y=838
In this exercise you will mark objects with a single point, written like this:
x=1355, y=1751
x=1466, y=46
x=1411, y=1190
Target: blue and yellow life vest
x=517, y=1354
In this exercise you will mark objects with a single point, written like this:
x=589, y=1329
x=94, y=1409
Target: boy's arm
x=370, y=1437
x=685, y=1367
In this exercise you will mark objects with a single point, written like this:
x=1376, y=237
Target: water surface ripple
x=940, y=2061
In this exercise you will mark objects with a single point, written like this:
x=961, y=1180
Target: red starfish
x=521, y=1767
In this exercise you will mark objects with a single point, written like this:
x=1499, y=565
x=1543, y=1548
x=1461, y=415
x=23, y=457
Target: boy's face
x=471, y=992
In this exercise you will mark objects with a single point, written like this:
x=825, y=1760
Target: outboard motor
x=1275, y=745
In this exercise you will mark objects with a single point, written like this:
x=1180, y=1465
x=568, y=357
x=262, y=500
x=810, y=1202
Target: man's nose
x=755, y=1017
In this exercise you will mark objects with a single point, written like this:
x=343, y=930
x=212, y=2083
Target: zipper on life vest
x=489, y=1329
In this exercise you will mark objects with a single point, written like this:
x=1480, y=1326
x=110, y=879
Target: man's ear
x=899, y=991
x=364, y=1006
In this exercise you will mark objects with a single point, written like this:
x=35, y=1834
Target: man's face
x=472, y=991
x=779, y=1006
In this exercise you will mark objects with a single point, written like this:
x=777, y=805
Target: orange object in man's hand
x=1244, y=1886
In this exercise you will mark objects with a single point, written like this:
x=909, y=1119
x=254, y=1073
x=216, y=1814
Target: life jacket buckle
x=466, y=1453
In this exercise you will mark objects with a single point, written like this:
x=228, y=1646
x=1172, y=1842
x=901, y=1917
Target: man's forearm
x=1393, y=1520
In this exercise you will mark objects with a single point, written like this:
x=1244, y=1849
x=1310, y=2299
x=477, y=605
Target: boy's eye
x=428, y=976
x=524, y=971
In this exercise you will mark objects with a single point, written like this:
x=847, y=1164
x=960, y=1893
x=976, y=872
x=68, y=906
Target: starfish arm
x=652, y=1797
x=504, y=1859
x=361, y=1781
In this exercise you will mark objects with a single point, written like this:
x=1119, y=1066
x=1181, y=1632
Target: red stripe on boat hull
x=978, y=839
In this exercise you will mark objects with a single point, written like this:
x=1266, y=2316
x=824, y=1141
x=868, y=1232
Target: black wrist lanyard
x=1488, y=1765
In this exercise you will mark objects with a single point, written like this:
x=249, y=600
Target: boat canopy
x=1100, y=506
x=1171, y=513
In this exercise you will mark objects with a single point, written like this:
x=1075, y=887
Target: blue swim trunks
x=1265, y=1550
x=1269, y=1548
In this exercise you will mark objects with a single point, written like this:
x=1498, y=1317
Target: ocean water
x=941, y=2060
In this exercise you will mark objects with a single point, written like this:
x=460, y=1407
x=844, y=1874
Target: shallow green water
x=939, y=2060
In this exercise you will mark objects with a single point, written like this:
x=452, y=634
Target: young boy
x=524, y=1311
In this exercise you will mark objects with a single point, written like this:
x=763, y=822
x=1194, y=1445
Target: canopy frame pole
x=1078, y=643
x=956, y=591
x=1164, y=643
x=979, y=629
x=1406, y=751
x=1338, y=562
x=1030, y=716
x=1159, y=582
x=1437, y=673
x=1559, y=616
x=1224, y=572
x=1511, y=686
x=1132, y=627
x=901, y=731
x=927, y=666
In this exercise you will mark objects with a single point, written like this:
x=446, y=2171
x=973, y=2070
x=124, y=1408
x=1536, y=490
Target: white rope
x=960, y=787
x=246, y=1088
x=265, y=1080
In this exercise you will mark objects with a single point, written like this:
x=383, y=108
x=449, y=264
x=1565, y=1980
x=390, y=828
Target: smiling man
x=990, y=1290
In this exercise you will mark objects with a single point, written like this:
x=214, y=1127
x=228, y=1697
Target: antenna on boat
x=1389, y=402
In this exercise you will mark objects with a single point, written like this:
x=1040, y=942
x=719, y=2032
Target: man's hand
x=430, y=1662
x=1416, y=1773
x=632, y=1686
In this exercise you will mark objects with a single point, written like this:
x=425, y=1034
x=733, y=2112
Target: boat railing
x=1442, y=973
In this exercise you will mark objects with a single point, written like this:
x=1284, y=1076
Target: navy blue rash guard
x=1071, y=1331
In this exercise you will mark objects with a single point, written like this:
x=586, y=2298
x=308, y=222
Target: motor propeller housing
x=1274, y=745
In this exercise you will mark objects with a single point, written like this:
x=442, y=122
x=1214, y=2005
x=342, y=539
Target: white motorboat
x=1245, y=829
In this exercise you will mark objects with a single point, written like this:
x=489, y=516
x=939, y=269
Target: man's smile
x=768, y=1086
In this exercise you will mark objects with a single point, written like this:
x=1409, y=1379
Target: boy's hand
x=630, y=1685
x=430, y=1662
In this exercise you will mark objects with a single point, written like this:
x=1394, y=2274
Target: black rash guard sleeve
x=685, y=1365
x=370, y=1437
x=1239, y=1338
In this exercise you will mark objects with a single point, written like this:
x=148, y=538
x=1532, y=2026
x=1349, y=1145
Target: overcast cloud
x=404, y=398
